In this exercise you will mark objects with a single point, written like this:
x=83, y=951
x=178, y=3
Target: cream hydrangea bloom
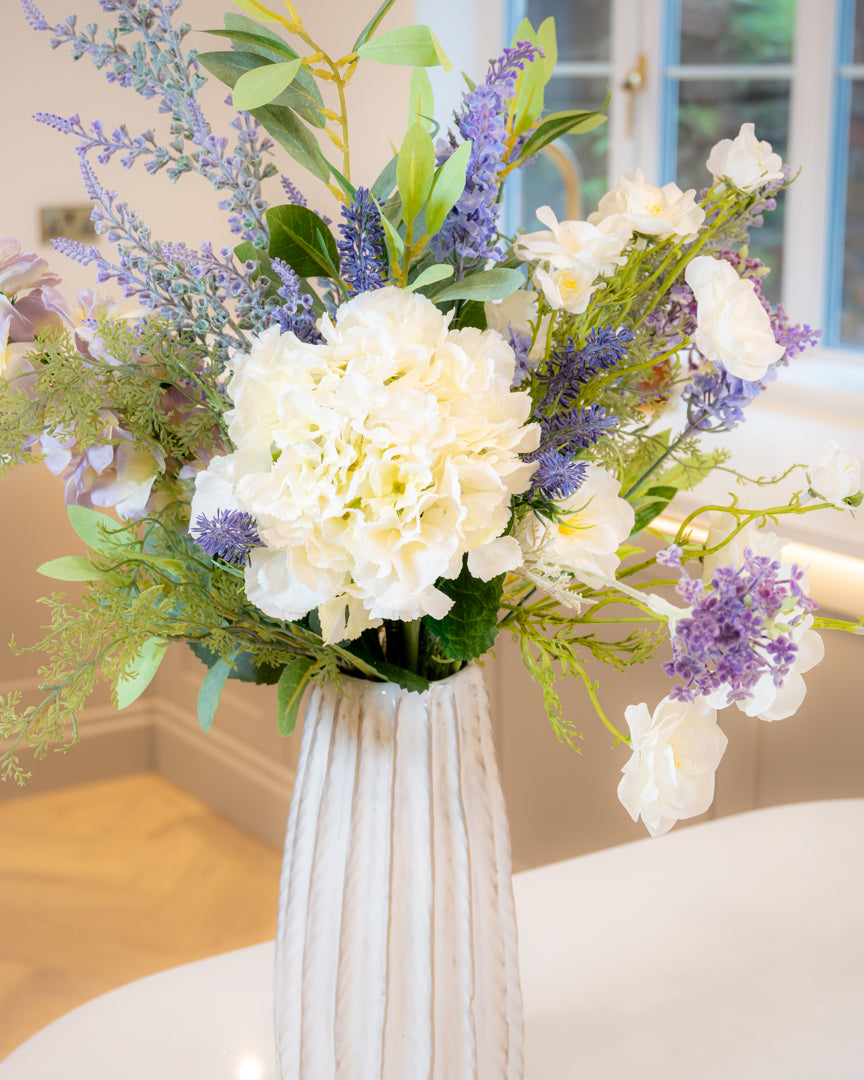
x=639, y=207
x=585, y=543
x=745, y=161
x=676, y=751
x=732, y=327
x=374, y=462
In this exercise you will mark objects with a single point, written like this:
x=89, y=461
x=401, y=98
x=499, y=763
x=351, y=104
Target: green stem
x=412, y=646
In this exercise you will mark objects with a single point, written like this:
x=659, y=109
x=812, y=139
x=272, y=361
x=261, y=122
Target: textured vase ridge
x=396, y=947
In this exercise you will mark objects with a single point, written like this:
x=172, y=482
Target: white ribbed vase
x=396, y=946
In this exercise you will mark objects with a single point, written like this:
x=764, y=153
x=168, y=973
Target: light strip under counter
x=836, y=580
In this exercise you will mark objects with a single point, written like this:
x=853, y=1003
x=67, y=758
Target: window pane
x=713, y=109
x=858, y=41
x=737, y=31
x=852, y=301
x=572, y=178
x=583, y=28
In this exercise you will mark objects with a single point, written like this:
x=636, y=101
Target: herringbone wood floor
x=105, y=883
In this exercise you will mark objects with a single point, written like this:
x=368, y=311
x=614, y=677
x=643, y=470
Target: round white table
x=733, y=949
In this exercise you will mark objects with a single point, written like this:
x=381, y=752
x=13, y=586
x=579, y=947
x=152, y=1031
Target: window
x=685, y=73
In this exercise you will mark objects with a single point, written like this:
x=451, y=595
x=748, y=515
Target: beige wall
x=561, y=803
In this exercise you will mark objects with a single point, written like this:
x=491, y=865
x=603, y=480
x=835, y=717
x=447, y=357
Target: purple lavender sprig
x=361, y=249
x=739, y=630
x=470, y=231
x=296, y=313
x=230, y=535
x=157, y=66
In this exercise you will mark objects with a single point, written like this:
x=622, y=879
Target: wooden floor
x=104, y=883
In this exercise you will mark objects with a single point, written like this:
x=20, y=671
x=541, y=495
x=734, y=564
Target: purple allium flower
x=739, y=630
x=361, y=249
x=229, y=535
x=558, y=476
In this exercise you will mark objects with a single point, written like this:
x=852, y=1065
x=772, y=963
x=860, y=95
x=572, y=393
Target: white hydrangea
x=374, y=462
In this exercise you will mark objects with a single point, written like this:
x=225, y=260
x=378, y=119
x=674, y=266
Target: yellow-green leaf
x=292, y=683
x=415, y=169
x=74, y=568
x=263, y=84
x=436, y=272
x=407, y=46
x=139, y=674
x=548, y=43
x=98, y=531
x=421, y=100
x=448, y=185
x=252, y=9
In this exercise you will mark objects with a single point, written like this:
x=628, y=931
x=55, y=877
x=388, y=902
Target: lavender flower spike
x=361, y=249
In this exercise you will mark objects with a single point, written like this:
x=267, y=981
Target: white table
x=733, y=949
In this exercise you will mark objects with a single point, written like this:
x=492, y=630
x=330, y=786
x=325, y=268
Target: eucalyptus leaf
x=243, y=669
x=98, y=531
x=529, y=98
x=395, y=241
x=415, y=169
x=421, y=99
x=436, y=272
x=139, y=674
x=547, y=41
x=266, y=43
x=293, y=234
x=246, y=5
x=448, y=185
x=407, y=46
x=492, y=284
x=211, y=691
x=75, y=568
x=292, y=683
x=263, y=85
x=469, y=628
x=373, y=24
x=290, y=133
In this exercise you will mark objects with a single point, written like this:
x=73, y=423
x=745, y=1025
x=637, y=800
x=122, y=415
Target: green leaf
x=75, y=568
x=246, y=6
x=292, y=683
x=373, y=24
x=557, y=124
x=492, y=284
x=448, y=185
x=262, y=85
x=386, y=180
x=546, y=39
x=344, y=183
x=651, y=504
x=436, y=272
x=415, y=169
x=211, y=690
x=139, y=673
x=229, y=67
x=421, y=100
x=469, y=628
x=98, y=531
x=395, y=242
x=529, y=98
x=407, y=46
x=472, y=313
x=290, y=133
x=244, y=670
x=300, y=238
x=250, y=33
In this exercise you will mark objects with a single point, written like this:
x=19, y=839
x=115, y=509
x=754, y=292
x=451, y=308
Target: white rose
x=670, y=775
x=585, y=542
x=745, y=161
x=639, y=207
x=733, y=329
x=835, y=475
x=567, y=243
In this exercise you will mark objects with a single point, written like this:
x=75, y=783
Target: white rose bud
x=835, y=475
x=745, y=161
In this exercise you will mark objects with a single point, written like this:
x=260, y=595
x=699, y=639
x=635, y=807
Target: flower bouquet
x=354, y=453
